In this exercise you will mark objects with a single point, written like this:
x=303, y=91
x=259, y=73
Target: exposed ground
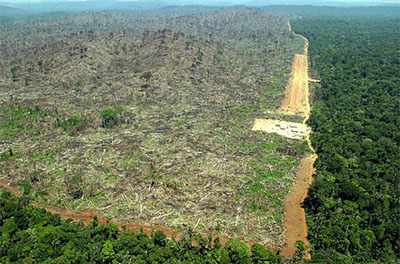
x=296, y=102
x=297, y=91
x=174, y=147
x=282, y=128
x=296, y=95
x=295, y=218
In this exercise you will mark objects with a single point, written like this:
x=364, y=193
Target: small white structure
x=283, y=128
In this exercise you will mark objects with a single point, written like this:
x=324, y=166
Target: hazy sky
x=210, y=1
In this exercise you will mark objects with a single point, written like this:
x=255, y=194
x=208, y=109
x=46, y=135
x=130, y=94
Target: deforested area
x=165, y=132
x=146, y=117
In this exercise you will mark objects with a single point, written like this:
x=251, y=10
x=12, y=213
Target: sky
x=210, y=1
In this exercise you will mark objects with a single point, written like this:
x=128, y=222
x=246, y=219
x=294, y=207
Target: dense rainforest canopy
x=353, y=204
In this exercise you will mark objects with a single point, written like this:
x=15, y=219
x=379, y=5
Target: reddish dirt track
x=297, y=101
x=87, y=217
x=295, y=220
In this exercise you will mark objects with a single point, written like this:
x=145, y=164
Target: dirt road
x=297, y=102
x=295, y=220
x=296, y=95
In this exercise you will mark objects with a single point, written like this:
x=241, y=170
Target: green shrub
x=111, y=117
x=236, y=252
x=261, y=255
x=71, y=124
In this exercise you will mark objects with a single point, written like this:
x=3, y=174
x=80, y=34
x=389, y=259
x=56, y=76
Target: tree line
x=33, y=235
x=353, y=211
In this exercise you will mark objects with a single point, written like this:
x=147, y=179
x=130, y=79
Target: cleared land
x=296, y=102
x=147, y=119
x=282, y=128
x=295, y=218
x=296, y=95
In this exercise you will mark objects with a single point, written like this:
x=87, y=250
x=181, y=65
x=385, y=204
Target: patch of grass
x=271, y=93
x=268, y=145
x=16, y=119
x=71, y=124
x=254, y=207
x=130, y=162
x=242, y=111
x=6, y=155
x=46, y=155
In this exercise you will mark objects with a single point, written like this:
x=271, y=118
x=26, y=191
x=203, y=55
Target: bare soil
x=295, y=221
x=297, y=101
x=296, y=95
x=283, y=128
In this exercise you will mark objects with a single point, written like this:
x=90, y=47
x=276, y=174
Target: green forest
x=352, y=208
x=32, y=235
